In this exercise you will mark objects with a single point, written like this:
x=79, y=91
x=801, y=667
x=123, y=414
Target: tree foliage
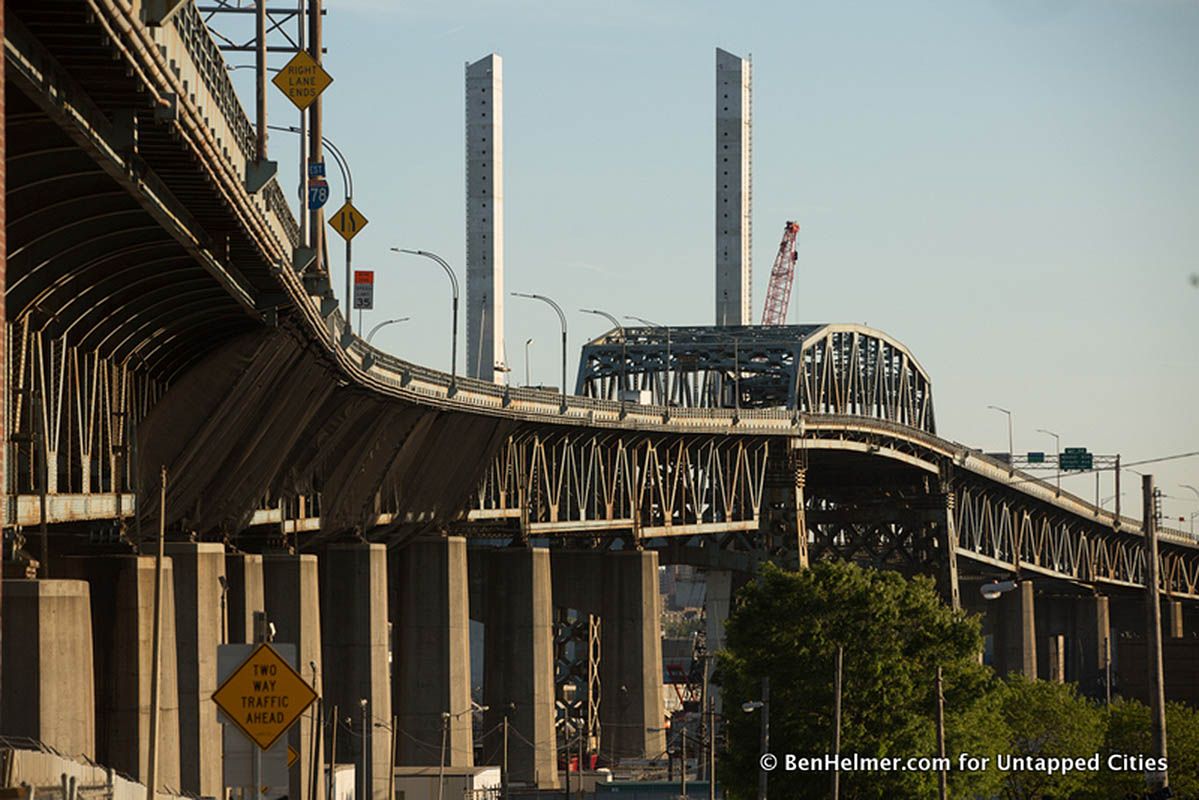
x=894, y=633
x=1048, y=720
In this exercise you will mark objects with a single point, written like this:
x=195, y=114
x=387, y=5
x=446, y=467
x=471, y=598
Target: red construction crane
x=778, y=295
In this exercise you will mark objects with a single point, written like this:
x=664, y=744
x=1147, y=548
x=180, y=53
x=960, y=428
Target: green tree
x=1047, y=719
x=894, y=633
x=1128, y=732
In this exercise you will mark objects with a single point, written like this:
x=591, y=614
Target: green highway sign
x=1077, y=458
x=1036, y=458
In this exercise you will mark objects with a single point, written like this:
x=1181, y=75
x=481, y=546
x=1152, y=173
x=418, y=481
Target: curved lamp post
x=623, y=347
x=347, y=184
x=454, y=288
x=666, y=400
x=1010, y=449
x=562, y=319
x=1057, y=444
x=384, y=324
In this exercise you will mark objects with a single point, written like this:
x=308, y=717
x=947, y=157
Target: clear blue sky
x=1008, y=187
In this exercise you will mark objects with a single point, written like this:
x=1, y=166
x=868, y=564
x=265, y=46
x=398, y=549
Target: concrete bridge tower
x=734, y=188
x=485, y=219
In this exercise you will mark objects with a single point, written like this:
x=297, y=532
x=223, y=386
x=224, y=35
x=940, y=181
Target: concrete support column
x=631, y=656
x=46, y=639
x=356, y=646
x=1057, y=657
x=431, y=627
x=622, y=587
x=1016, y=631
x=199, y=568
x=293, y=605
x=1093, y=624
x=518, y=667
x=122, y=601
x=243, y=571
x=717, y=600
x=1174, y=619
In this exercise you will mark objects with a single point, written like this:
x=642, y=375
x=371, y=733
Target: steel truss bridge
x=159, y=314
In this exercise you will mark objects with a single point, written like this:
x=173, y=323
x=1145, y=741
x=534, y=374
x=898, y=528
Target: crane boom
x=782, y=275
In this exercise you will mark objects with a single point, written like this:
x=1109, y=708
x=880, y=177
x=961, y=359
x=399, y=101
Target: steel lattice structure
x=653, y=486
x=816, y=369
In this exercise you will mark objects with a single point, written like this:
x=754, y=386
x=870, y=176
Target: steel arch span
x=812, y=369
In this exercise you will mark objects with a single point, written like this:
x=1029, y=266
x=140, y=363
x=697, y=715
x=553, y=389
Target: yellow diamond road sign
x=302, y=80
x=264, y=696
x=348, y=221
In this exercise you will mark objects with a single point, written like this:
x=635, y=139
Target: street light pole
x=763, y=704
x=1057, y=443
x=623, y=348
x=528, y=342
x=454, y=287
x=666, y=401
x=562, y=319
x=383, y=324
x=1011, y=451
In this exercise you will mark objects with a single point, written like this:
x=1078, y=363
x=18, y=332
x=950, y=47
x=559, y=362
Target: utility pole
x=445, y=731
x=942, y=777
x=504, y=765
x=763, y=774
x=391, y=761
x=711, y=747
x=837, y=726
x=365, y=780
x=332, y=755
x=156, y=647
x=1157, y=696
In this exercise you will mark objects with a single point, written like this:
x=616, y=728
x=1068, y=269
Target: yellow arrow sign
x=348, y=221
x=302, y=80
x=264, y=696
x=292, y=756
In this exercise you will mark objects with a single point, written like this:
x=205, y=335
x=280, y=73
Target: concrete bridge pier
x=717, y=601
x=48, y=692
x=122, y=606
x=518, y=670
x=1175, y=627
x=243, y=571
x=1092, y=621
x=356, y=647
x=622, y=588
x=293, y=606
x=430, y=608
x=1014, y=627
x=199, y=621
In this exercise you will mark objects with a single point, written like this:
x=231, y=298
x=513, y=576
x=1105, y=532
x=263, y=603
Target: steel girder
x=647, y=485
x=1004, y=529
x=816, y=369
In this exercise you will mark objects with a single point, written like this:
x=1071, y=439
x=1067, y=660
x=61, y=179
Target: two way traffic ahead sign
x=264, y=696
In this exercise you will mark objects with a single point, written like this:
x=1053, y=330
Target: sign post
x=348, y=222
x=259, y=700
x=364, y=293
